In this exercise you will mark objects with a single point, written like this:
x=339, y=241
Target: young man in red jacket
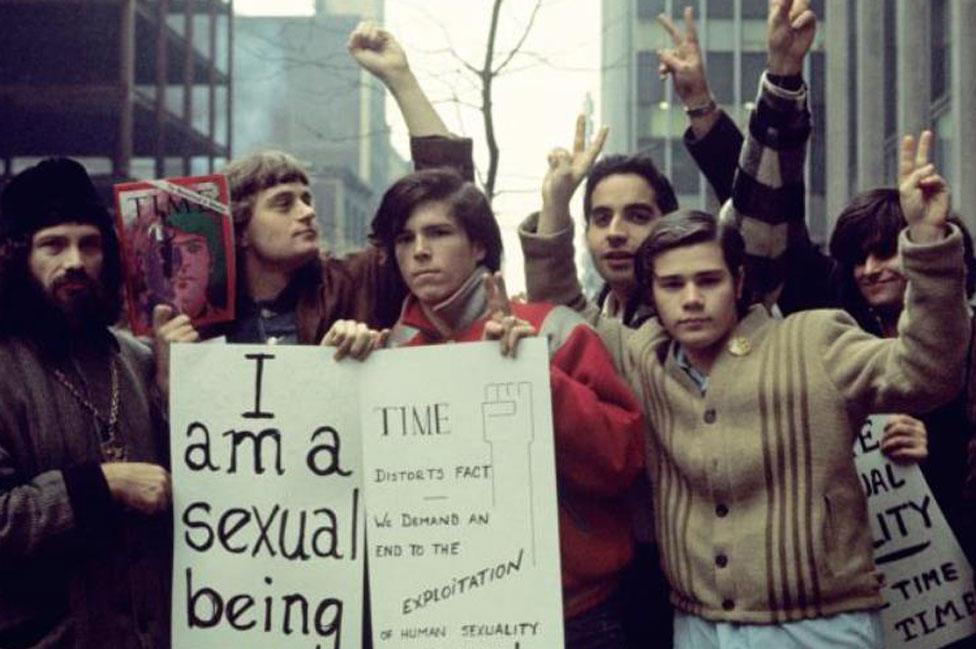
x=445, y=240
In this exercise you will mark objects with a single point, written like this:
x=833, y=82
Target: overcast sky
x=536, y=100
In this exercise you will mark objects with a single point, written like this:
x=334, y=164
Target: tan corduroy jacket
x=759, y=513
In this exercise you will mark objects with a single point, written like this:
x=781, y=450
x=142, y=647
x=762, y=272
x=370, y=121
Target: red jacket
x=598, y=430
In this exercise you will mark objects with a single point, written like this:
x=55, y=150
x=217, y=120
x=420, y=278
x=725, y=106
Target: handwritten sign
x=461, y=498
x=267, y=498
x=928, y=580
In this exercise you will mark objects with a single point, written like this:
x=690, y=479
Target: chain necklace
x=112, y=449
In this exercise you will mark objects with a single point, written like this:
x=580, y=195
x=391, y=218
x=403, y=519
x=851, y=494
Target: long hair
x=249, y=175
x=469, y=206
x=53, y=192
x=870, y=225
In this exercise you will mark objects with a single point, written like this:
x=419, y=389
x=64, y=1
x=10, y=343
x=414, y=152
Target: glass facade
x=649, y=9
x=720, y=9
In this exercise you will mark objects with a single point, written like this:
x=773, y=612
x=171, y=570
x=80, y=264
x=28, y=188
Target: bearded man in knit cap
x=84, y=535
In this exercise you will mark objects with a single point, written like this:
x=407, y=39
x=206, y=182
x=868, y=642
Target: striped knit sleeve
x=767, y=204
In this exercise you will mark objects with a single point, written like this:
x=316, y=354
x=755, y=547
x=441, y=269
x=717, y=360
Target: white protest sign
x=461, y=498
x=267, y=502
x=928, y=581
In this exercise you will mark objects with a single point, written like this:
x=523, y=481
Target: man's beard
x=83, y=308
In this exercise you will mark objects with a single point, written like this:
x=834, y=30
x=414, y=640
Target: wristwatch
x=701, y=110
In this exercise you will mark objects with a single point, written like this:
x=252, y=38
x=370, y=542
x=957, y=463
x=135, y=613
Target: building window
x=755, y=9
x=684, y=171
x=721, y=76
x=649, y=9
x=940, y=30
x=942, y=156
x=650, y=89
x=720, y=9
x=652, y=147
x=890, y=69
x=754, y=35
x=753, y=65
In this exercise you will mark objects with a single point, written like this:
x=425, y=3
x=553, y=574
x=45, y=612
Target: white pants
x=860, y=630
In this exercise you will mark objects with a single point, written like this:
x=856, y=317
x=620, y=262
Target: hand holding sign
x=905, y=439
x=169, y=328
x=354, y=339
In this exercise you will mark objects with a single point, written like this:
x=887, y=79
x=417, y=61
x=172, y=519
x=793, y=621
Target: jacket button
x=728, y=604
x=710, y=416
x=721, y=560
x=721, y=510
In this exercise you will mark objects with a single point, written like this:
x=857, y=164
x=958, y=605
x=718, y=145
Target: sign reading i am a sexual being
x=930, y=601
x=267, y=500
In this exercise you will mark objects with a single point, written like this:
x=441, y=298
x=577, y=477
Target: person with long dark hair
x=443, y=236
x=84, y=535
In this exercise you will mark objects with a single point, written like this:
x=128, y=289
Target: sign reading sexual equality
x=268, y=547
x=461, y=498
x=928, y=589
x=272, y=448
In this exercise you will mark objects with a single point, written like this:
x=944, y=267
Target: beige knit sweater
x=759, y=471
x=759, y=513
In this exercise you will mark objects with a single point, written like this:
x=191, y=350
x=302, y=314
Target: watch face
x=702, y=109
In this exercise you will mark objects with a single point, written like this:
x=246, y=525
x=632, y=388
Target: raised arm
x=432, y=145
x=547, y=237
x=923, y=366
x=712, y=138
x=768, y=194
x=378, y=52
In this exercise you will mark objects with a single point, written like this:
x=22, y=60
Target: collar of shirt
x=700, y=379
x=455, y=314
x=612, y=308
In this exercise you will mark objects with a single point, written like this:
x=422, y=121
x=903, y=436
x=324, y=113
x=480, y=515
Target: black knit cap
x=52, y=192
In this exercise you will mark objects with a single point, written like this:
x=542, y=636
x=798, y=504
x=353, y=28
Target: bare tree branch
x=521, y=40
x=457, y=101
x=487, y=79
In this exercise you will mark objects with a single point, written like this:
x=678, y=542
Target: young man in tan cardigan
x=759, y=514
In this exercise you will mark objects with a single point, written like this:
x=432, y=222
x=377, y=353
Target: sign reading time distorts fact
x=460, y=486
x=928, y=590
x=267, y=503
